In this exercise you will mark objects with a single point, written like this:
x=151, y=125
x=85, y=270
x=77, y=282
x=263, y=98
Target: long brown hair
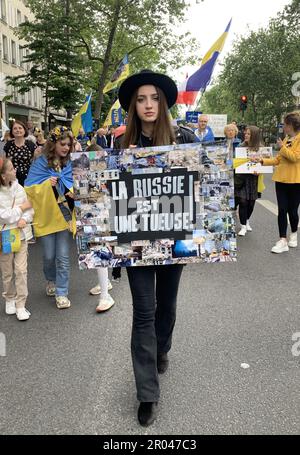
x=255, y=137
x=50, y=145
x=163, y=133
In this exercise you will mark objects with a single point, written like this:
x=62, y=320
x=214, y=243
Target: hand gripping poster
x=244, y=165
x=154, y=206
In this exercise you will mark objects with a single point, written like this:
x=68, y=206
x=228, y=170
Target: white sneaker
x=293, y=242
x=248, y=227
x=10, y=307
x=105, y=304
x=97, y=289
x=280, y=247
x=23, y=314
x=243, y=230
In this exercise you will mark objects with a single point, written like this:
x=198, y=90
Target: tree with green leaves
x=261, y=66
x=54, y=65
x=145, y=30
x=75, y=46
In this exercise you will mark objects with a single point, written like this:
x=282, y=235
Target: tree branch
x=138, y=47
x=88, y=51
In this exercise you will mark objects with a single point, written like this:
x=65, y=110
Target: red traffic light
x=243, y=103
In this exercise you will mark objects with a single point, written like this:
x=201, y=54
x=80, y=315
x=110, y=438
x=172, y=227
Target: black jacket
x=183, y=136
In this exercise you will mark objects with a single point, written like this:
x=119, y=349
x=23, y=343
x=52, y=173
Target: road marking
x=268, y=205
x=271, y=207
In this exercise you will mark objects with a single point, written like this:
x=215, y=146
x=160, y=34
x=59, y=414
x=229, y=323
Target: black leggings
x=245, y=209
x=116, y=272
x=288, y=200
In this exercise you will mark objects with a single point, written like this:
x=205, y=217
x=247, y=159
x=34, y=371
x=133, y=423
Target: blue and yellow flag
x=114, y=117
x=84, y=118
x=48, y=217
x=120, y=75
x=10, y=241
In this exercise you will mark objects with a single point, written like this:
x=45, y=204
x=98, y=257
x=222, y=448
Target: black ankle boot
x=162, y=363
x=147, y=413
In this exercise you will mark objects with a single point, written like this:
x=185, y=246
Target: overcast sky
x=208, y=19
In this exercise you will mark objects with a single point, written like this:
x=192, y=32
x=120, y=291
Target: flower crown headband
x=57, y=133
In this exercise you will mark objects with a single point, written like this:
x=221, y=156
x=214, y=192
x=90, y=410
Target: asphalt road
x=69, y=371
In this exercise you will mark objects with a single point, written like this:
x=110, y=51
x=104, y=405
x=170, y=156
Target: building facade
x=14, y=105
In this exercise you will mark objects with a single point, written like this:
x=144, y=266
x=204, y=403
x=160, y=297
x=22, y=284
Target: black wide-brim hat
x=147, y=77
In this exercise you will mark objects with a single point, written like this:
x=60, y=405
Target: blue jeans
x=56, y=258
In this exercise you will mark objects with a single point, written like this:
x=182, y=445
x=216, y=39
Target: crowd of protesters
x=43, y=166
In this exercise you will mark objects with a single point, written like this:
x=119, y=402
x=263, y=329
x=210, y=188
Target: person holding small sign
x=147, y=96
x=246, y=185
x=287, y=182
x=16, y=214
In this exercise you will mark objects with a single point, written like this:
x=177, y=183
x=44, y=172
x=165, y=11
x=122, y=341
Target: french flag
x=188, y=90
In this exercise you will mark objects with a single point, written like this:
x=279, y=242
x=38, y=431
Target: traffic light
x=243, y=102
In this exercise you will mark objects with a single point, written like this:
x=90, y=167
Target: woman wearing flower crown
x=49, y=187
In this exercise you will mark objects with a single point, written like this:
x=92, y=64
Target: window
x=35, y=96
x=5, y=48
x=25, y=19
x=23, y=98
x=15, y=94
x=21, y=54
x=13, y=53
x=28, y=63
x=19, y=17
x=29, y=98
x=3, y=10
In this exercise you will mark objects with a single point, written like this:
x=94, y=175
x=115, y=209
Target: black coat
x=182, y=136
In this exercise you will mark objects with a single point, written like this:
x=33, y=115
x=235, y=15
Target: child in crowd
x=15, y=213
x=106, y=301
x=49, y=185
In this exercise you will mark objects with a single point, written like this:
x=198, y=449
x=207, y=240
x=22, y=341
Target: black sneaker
x=147, y=413
x=162, y=363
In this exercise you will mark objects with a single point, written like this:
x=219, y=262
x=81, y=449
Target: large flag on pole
x=84, y=118
x=120, y=75
x=114, y=117
x=188, y=91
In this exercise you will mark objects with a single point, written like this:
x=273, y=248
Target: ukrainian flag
x=114, y=117
x=84, y=118
x=10, y=241
x=48, y=217
x=120, y=75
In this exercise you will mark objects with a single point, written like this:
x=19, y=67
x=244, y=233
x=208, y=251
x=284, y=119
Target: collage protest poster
x=154, y=206
x=247, y=166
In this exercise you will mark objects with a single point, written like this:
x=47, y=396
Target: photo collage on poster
x=154, y=206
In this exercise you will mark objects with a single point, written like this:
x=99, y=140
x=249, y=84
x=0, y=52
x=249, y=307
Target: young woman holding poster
x=146, y=97
x=287, y=182
x=246, y=185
